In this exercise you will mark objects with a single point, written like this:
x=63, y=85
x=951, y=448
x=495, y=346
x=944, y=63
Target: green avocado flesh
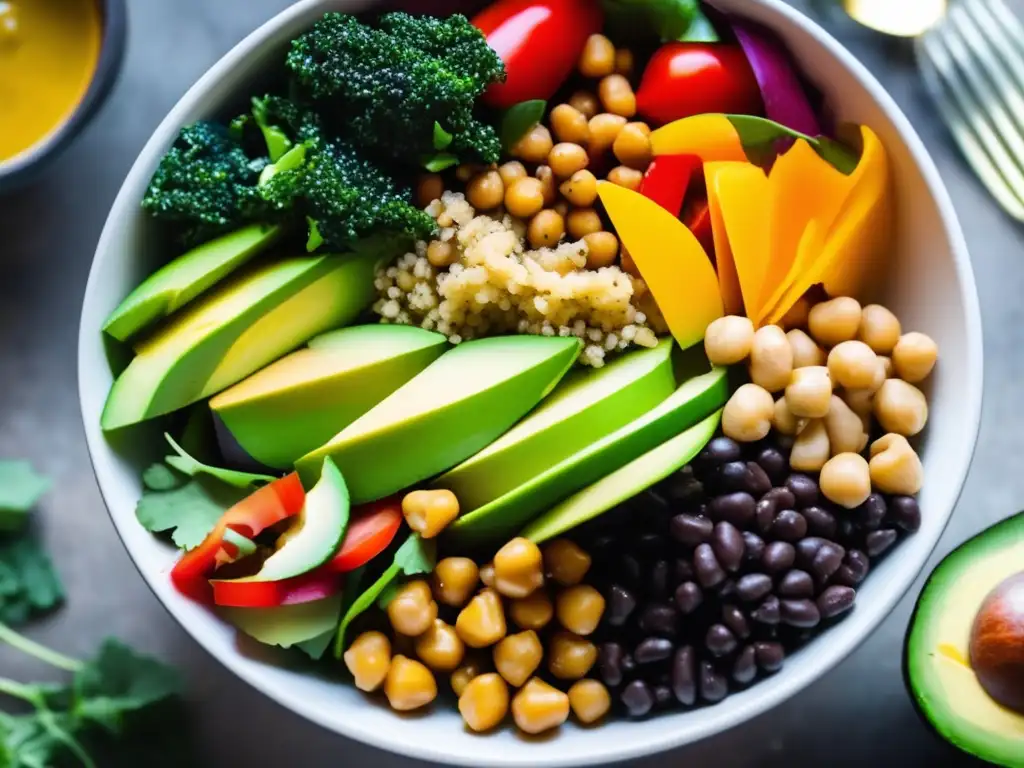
x=701, y=395
x=297, y=404
x=236, y=330
x=587, y=405
x=288, y=625
x=937, y=651
x=466, y=399
x=177, y=283
x=625, y=483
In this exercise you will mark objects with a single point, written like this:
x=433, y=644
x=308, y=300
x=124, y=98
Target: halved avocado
x=937, y=658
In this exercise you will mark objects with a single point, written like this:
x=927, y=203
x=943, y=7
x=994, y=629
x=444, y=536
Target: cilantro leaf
x=160, y=477
x=20, y=490
x=417, y=555
x=190, y=511
x=192, y=467
x=28, y=583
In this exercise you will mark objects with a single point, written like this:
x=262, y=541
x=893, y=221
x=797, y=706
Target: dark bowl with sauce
x=22, y=166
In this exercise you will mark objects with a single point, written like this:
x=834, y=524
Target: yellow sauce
x=48, y=53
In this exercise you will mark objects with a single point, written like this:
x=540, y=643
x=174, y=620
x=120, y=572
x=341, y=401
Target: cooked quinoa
x=493, y=285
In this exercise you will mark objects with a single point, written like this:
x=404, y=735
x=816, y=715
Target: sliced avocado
x=175, y=284
x=460, y=403
x=298, y=403
x=288, y=625
x=695, y=400
x=228, y=334
x=587, y=405
x=937, y=657
x=624, y=483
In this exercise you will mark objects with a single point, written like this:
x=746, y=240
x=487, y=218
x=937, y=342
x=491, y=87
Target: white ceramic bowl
x=931, y=288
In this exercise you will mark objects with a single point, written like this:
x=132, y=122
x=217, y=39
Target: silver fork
x=972, y=64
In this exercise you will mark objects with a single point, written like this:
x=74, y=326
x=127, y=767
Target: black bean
x=726, y=589
x=690, y=530
x=770, y=656
x=720, y=450
x=804, y=489
x=827, y=560
x=638, y=698
x=796, y=584
x=686, y=491
x=774, y=463
x=820, y=522
x=659, y=619
x=744, y=669
x=688, y=597
x=758, y=482
x=769, y=612
x=602, y=547
x=778, y=557
x=853, y=570
x=719, y=640
x=878, y=542
x=709, y=572
x=871, y=513
x=662, y=695
x=906, y=513
x=783, y=498
x=684, y=675
x=628, y=664
x=789, y=525
x=727, y=544
x=649, y=545
x=682, y=570
x=652, y=649
x=657, y=579
x=732, y=476
x=845, y=530
x=609, y=663
x=737, y=623
x=628, y=570
x=621, y=603
x=800, y=613
x=753, y=547
x=764, y=515
x=713, y=686
x=807, y=550
x=835, y=600
x=737, y=508
x=753, y=587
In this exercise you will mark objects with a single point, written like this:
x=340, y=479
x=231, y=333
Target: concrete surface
x=857, y=715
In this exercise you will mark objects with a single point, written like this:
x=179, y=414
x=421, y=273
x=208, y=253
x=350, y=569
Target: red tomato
x=685, y=79
x=371, y=530
x=238, y=593
x=540, y=42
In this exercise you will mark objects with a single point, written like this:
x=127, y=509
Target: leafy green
x=192, y=467
x=519, y=119
x=160, y=477
x=29, y=585
x=442, y=139
x=440, y=161
x=701, y=30
x=20, y=490
x=667, y=19
x=315, y=239
x=190, y=511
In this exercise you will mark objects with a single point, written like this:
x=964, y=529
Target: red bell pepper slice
x=263, y=508
x=371, y=530
x=241, y=593
x=667, y=179
x=697, y=217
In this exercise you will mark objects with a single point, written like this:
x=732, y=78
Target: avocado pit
x=997, y=643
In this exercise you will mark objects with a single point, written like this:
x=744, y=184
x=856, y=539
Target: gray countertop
x=857, y=714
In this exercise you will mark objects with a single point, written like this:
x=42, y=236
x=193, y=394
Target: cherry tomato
x=370, y=532
x=540, y=42
x=239, y=593
x=685, y=79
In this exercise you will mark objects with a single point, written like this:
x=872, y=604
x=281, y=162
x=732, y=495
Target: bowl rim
x=798, y=677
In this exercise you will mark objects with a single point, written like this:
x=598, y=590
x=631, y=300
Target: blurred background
x=856, y=715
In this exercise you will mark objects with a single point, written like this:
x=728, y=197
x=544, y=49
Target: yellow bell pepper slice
x=728, y=280
x=670, y=259
x=710, y=137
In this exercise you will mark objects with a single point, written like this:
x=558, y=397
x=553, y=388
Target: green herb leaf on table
x=20, y=490
x=190, y=511
x=520, y=119
x=192, y=467
x=29, y=585
x=442, y=139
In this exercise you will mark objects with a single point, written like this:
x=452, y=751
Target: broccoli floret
x=388, y=86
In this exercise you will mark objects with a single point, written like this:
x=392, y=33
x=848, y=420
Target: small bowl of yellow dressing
x=58, y=62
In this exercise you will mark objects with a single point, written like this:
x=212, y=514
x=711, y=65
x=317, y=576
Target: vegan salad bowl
x=559, y=372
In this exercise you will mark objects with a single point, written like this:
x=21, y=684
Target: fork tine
x=1002, y=28
x=1004, y=19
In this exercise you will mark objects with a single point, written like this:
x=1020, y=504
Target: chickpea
x=566, y=158
x=511, y=172
x=579, y=608
x=853, y=365
x=887, y=368
x=485, y=191
x=482, y=622
x=483, y=703
x=628, y=265
x=561, y=208
x=748, y=414
x=585, y=103
x=429, y=512
x=455, y=578
x=728, y=340
x=570, y=656
x=525, y=198
x=533, y=611
x=548, y=184
x=534, y=146
x=632, y=147
x=517, y=657
x=809, y=392
x=429, y=187
x=580, y=189
x=624, y=62
x=590, y=701
x=487, y=575
x=914, y=357
x=368, y=660
x=860, y=402
x=617, y=95
x=565, y=562
x=895, y=467
x=604, y=128
x=582, y=222
x=545, y=229
x=833, y=322
x=630, y=178
x=805, y=351
x=901, y=407
x=467, y=171
x=811, y=448
x=879, y=328
x=412, y=610
x=846, y=480
x=441, y=253
x=440, y=647
x=771, y=358
x=643, y=127
x=846, y=433
x=518, y=568
x=409, y=685
x=472, y=668
x=783, y=419
x=569, y=124
x=539, y=707
x=598, y=57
